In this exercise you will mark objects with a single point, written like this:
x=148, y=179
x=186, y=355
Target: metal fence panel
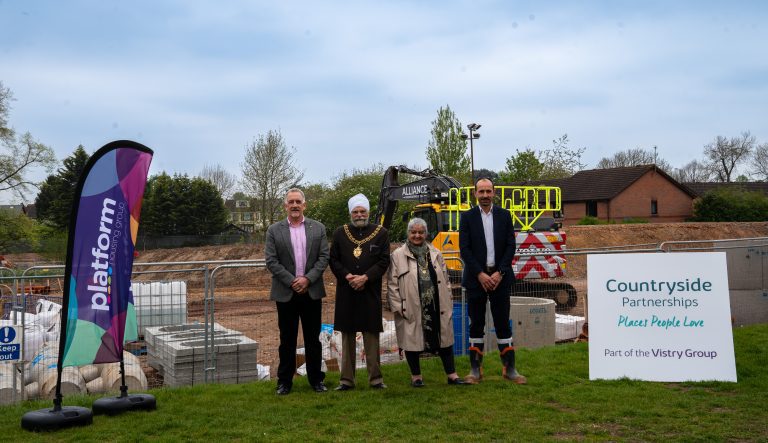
x=203, y=322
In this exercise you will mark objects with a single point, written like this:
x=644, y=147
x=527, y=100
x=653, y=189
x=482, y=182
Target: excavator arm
x=432, y=187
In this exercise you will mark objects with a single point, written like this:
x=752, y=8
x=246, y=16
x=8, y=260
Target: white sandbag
x=95, y=386
x=263, y=372
x=135, y=379
x=34, y=339
x=8, y=394
x=44, y=361
x=388, y=338
x=71, y=383
x=47, y=319
x=33, y=390
x=90, y=372
x=53, y=331
x=43, y=305
x=302, y=370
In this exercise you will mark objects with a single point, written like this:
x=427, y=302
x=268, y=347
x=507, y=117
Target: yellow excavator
x=441, y=199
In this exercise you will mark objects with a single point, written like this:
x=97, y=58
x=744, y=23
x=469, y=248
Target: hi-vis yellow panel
x=448, y=244
x=526, y=203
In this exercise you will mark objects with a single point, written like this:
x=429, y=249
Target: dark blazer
x=278, y=253
x=474, y=251
x=359, y=311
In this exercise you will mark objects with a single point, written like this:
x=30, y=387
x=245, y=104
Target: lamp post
x=472, y=136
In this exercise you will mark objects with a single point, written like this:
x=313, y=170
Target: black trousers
x=499, y=311
x=446, y=356
x=300, y=308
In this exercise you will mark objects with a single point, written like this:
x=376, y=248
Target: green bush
x=633, y=220
x=17, y=232
x=731, y=205
x=52, y=244
x=591, y=221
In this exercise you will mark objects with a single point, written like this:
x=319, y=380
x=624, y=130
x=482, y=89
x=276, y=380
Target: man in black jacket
x=487, y=245
x=359, y=259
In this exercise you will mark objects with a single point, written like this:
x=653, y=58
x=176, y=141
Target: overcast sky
x=353, y=83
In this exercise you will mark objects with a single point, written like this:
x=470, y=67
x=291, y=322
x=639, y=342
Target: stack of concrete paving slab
x=178, y=352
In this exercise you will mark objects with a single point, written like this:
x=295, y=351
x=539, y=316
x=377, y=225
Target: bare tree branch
x=220, y=178
x=760, y=162
x=633, y=157
x=693, y=172
x=725, y=154
x=269, y=170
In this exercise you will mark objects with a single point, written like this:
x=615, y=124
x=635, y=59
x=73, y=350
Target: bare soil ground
x=242, y=303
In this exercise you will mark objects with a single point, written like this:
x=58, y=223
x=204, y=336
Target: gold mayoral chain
x=358, y=250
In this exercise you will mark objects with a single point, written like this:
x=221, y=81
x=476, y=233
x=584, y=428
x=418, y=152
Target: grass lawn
x=559, y=403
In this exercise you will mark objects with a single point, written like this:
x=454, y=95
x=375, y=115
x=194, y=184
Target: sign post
x=660, y=317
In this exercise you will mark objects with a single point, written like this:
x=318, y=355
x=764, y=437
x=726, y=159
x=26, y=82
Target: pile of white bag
x=41, y=351
x=331, y=343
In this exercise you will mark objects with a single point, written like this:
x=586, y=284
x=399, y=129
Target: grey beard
x=360, y=223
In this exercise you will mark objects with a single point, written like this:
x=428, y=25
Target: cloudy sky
x=353, y=83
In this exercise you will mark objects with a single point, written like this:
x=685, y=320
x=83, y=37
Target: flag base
x=118, y=405
x=52, y=419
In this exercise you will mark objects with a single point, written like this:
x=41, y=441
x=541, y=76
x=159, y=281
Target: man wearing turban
x=359, y=260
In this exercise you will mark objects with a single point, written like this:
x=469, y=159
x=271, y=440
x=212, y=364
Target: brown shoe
x=472, y=380
x=517, y=379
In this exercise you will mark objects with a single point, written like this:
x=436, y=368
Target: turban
x=358, y=200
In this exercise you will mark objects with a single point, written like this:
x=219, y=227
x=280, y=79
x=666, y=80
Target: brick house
x=242, y=214
x=616, y=194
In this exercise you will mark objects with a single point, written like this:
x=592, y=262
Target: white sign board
x=660, y=317
x=10, y=343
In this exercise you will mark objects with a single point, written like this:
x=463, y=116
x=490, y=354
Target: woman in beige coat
x=419, y=296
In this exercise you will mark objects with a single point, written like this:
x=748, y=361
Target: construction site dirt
x=241, y=299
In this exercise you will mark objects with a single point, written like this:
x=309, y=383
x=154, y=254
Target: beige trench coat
x=404, y=301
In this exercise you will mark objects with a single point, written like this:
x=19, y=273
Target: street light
x=472, y=136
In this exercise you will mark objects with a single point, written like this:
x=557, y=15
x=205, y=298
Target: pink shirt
x=299, y=243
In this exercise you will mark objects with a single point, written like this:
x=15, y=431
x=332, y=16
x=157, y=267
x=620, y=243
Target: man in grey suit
x=296, y=253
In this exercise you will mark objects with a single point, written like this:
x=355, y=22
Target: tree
x=447, y=150
x=207, y=215
x=269, y=170
x=223, y=180
x=693, y=172
x=561, y=161
x=19, y=154
x=17, y=232
x=633, y=157
x=54, y=201
x=731, y=205
x=331, y=209
x=726, y=154
x=524, y=165
x=179, y=205
x=329, y=203
x=760, y=162
x=486, y=173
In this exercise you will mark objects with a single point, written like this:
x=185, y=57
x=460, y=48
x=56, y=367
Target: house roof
x=701, y=188
x=603, y=184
